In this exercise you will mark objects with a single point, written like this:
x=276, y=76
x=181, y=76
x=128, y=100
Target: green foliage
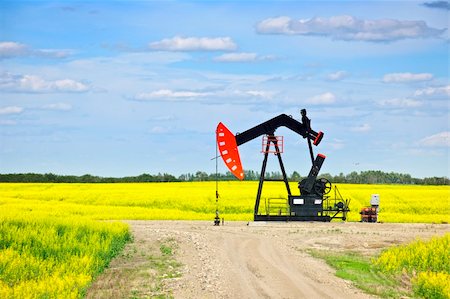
x=87, y=178
x=361, y=272
x=363, y=177
x=165, y=250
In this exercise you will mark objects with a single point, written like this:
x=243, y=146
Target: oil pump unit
x=313, y=203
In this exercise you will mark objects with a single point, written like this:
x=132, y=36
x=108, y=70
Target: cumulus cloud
x=437, y=140
x=10, y=49
x=241, y=57
x=36, y=84
x=336, y=76
x=433, y=91
x=406, y=77
x=325, y=98
x=401, y=103
x=362, y=128
x=349, y=28
x=438, y=4
x=179, y=43
x=11, y=110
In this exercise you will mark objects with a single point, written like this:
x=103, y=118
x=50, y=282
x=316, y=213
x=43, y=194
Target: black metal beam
x=261, y=179
x=269, y=127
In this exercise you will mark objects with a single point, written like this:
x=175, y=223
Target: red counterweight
x=229, y=150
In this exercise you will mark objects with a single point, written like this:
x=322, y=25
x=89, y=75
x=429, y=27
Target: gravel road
x=256, y=259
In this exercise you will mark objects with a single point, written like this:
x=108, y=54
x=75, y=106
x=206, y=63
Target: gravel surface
x=250, y=260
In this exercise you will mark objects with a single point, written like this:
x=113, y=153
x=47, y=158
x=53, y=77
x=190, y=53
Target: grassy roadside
x=166, y=267
x=141, y=271
x=364, y=275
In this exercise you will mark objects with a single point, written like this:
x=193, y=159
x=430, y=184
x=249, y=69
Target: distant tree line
x=87, y=178
x=363, y=177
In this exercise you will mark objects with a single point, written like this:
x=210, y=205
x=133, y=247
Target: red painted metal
x=229, y=151
x=268, y=144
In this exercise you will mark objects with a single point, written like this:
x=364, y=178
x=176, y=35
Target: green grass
x=166, y=267
x=165, y=250
x=359, y=270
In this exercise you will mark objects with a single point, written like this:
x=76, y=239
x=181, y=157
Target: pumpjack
x=313, y=203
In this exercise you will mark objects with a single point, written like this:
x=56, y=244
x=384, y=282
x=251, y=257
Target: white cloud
x=168, y=94
x=11, y=110
x=253, y=93
x=241, y=57
x=325, y=98
x=278, y=25
x=237, y=57
x=36, y=84
x=336, y=76
x=349, y=28
x=67, y=85
x=362, y=128
x=401, y=103
x=433, y=91
x=13, y=49
x=232, y=95
x=179, y=43
x=259, y=93
x=406, y=77
x=58, y=106
x=437, y=140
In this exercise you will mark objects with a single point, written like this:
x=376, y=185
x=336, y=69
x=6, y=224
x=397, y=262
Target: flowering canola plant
x=55, y=258
x=196, y=200
x=52, y=244
x=428, y=263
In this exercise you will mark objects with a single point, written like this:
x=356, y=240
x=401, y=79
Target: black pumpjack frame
x=309, y=205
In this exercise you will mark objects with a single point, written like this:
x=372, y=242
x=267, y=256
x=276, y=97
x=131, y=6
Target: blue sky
x=117, y=88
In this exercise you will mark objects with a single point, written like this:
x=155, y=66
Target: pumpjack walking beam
x=269, y=127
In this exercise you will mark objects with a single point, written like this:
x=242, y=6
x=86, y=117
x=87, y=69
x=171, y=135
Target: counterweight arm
x=282, y=120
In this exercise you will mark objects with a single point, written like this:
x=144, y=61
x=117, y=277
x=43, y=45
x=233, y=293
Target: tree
x=296, y=177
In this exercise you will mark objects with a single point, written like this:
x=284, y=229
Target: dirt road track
x=266, y=260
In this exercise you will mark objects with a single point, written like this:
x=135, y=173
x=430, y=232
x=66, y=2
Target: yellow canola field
x=52, y=247
x=427, y=262
x=55, y=258
x=196, y=200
